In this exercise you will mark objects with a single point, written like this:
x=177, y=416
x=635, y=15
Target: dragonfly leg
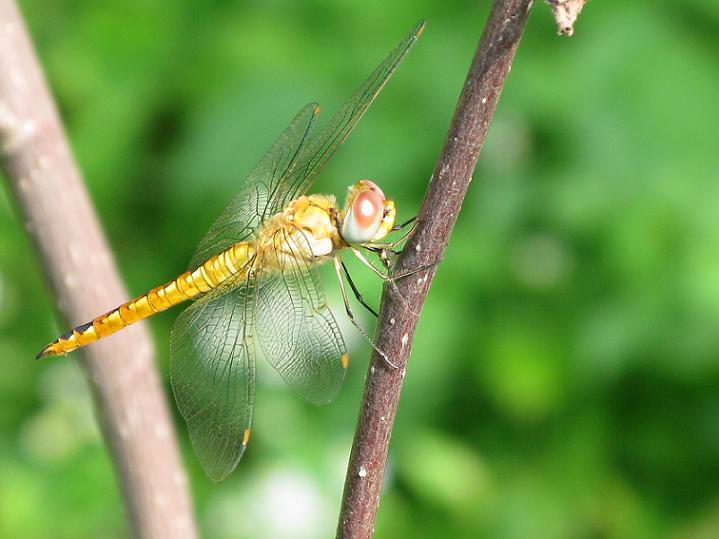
x=369, y=264
x=391, y=244
x=384, y=276
x=350, y=314
x=408, y=222
x=356, y=292
x=384, y=249
x=383, y=255
x=389, y=279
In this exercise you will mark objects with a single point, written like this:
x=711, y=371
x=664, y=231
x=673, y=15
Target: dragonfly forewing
x=322, y=148
x=254, y=202
x=295, y=160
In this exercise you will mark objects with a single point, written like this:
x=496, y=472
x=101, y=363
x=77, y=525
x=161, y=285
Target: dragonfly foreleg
x=348, y=309
x=390, y=245
x=408, y=222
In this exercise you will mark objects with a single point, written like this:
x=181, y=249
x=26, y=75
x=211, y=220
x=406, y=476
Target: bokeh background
x=565, y=377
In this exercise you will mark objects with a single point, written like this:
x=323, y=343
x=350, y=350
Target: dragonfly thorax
x=305, y=230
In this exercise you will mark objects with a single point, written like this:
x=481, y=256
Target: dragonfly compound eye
x=369, y=184
x=364, y=215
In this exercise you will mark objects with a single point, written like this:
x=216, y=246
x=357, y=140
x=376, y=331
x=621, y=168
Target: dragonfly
x=255, y=283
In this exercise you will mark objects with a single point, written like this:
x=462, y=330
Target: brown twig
x=57, y=212
x=398, y=316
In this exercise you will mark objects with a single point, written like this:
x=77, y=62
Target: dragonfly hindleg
x=348, y=309
x=356, y=292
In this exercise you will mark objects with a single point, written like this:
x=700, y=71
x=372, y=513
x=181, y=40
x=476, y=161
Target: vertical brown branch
x=401, y=305
x=57, y=212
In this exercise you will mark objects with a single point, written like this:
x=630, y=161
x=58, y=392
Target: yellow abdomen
x=188, y=285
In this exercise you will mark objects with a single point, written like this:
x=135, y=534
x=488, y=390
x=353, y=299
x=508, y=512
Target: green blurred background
x=565, y=377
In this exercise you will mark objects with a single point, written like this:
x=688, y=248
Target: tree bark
x=78, y=264
x=402, y=303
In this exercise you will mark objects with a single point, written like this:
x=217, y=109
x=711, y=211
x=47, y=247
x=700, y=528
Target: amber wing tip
x=420, y=27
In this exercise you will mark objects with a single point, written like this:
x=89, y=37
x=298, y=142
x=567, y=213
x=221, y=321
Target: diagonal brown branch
x=398, y=318
x=48, y=188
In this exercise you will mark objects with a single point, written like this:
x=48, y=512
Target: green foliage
x=565, y=373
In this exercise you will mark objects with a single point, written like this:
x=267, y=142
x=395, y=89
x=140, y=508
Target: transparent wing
x=298, y=334
x=248, y=209
x=304, y=171
x=212, y=370
x=292, y=164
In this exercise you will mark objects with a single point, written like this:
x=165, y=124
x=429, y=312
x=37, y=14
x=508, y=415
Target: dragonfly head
x=368, y=215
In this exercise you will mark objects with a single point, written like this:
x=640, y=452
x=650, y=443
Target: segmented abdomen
x=188, y=285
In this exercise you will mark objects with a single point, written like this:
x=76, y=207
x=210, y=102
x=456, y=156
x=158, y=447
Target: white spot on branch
x=76, y=253
x=405, y=338
x=17, y=79
x=161, y=431
x=160, y=500
x=362, y=472
x=180, y=478
x=71, y=280
x=14, y=132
